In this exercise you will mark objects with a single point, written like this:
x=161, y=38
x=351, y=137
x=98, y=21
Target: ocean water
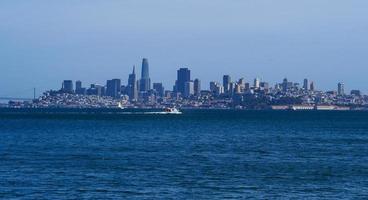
x=197, y=155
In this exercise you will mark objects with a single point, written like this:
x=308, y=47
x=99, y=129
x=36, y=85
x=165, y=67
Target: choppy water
x=197, y=155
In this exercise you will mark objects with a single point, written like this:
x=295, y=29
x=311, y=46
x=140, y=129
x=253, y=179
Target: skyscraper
x=256, y=83
x=189, y=89
x=78, y=85
x=78, y=88
x=285, y=85
x=306, y=84
x=67, y=86
x=113, y=88
x=197, y=87
x=133, y=86
x=159, y=89
x=145, y=82
x=340, y=88
x=226, y=80
x=311, y=87
x=183, y=77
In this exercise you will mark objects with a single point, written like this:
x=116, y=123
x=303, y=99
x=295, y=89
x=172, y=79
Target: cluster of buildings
x=187, y=93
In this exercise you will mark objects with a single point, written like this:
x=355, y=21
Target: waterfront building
x=226, y=80
x=340, y=89
x=183, y=76
x=67, y=86
x=145, y=82
x=132, y=88
x=189, y=89
x=197, y=87
x=159, y=88
x=306, y=84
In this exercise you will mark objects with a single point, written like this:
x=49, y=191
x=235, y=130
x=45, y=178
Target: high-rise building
x=96, y=89
x=306, y=84
x=256, y=82
x=78, y=88
x=189, y=89
x=145, y=82
x=216, y=88
x=311, y=86
x=113, y=88
x=241, y=83
x=132, y=87
x=264, y=85
x=183, y=77
x=226, y=80
x=67, y=86
x=340, y=88
x=159, y=89
x=285, y=85
x=78, y=85
x=197, y=87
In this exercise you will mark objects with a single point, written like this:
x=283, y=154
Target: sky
x=43, y=42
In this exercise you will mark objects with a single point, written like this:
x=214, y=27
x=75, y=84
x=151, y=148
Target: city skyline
x=97, y=41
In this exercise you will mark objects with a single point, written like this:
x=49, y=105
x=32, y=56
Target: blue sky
x=43, y=42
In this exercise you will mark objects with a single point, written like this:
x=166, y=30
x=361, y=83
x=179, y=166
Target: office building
x=113, y=88
x=256, y=83
x=159, y=88
x=311, y=86
x=355, y=92
x=340, y=89
x=189, y=89
x=132, y=88
x=197, y=87
x=226, y=80
x=183, y=76
x=145, y=82
x=306, y=84
x=67, y=86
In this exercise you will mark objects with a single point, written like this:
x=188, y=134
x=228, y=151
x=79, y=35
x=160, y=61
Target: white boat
x=120, y=105
x=171, y=111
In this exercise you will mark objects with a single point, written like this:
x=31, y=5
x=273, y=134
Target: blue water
x=198, y=155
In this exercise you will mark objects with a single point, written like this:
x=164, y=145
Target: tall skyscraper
x=145, y=82
x=183, y=77
x=306, y=84
x=311, y=86
x=197, y=87
x=113, y=88
x=67, y=86
x=340, y=88
x=226, y=80
x=133, y=86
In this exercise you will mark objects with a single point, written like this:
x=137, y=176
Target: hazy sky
x=43, y=42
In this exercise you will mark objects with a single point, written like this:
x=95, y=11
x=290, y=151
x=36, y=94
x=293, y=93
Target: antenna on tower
x=34, y=93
